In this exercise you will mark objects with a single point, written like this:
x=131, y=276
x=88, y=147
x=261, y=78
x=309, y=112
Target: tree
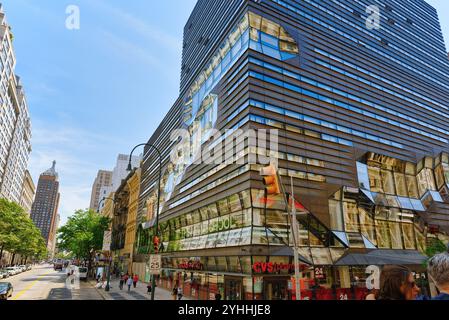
x=18, y=234
x=435, y=247
x=83, y=234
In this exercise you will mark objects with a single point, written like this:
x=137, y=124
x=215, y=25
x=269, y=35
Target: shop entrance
x=276, y=289
x=233, y=289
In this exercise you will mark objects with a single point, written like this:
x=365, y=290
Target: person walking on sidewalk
x=174, y=293
x=439, y=273
x=122, y=282
x=129, y=283
x=179, y=293
x=135, y=280
x=149, y=289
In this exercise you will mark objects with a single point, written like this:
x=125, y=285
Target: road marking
x=21, y=293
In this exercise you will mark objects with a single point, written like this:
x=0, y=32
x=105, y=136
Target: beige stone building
x=103, y=179
x=28, y=192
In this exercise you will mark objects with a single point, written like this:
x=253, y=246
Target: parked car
x=12, y=271
x=6, y=290
x=23, y=268
x=4, y=274
x=29, y=267
x=83, y=273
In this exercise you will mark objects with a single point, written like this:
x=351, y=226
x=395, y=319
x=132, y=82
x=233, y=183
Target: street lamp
x=102, y=200
x=153, y=281
x=108, y=287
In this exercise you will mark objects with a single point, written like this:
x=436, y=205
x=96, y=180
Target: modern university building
x=361, y=114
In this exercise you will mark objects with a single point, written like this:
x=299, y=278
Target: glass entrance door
x=276, y=290
x=233, y=289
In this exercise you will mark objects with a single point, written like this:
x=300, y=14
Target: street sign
x=107, y=239
x=155, y=264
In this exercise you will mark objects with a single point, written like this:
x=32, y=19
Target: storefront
x=241, y=248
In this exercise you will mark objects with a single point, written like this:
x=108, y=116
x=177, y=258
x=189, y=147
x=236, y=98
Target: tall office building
x=103, y=179
x=15, y=124
x=361, y=110
x=44, y=212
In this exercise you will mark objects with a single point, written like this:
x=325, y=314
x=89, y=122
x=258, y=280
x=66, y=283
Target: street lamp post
x=108, y=281
x=153, y=278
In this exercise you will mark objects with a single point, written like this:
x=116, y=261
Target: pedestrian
x=174, y=293
x=135, y=280
x=397, y=283
x=129, y=283
x=98, y=278
x=372, y=295
x=218, y=296
x=439, y=273
x=149, y=289
x=122, y=282
x=179, y=293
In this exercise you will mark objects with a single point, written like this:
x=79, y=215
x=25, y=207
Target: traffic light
x=156, y=243
x=271, y=180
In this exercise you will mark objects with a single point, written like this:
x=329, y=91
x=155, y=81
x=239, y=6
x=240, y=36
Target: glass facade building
x=361, y=115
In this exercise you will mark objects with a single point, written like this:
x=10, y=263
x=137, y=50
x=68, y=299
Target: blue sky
x=98, y=91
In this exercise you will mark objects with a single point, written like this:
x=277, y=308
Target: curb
x=101, y=292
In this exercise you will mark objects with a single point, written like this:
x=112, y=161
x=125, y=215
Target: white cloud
x=73, y=149
x=128, y=50
x=150, y=32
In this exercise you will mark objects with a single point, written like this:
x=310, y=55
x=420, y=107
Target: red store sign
x=274, y=267
x=191, y=265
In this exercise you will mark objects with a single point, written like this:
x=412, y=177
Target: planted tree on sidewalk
x=83, y=234
x=18, y=234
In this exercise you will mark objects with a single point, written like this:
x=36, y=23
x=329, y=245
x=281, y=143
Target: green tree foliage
x=83, y=234
x=18, y=234
x=436, y=246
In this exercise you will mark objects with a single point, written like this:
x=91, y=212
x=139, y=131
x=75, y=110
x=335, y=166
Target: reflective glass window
x=260, y=236
x=258, y=217
x=211, y=240
x=246, y=236
x=223, y=207
x=412, y=186
x=375, y=179
x=388, y=181
x=408, y=235
x=383, y=234
x=336, y=215
x=351, y=217
x=321, y=256
x=367, y=225
x=222, y=239
x=362, y=172
x=234, y=237
x=395, y=235
x=401, y=186
x=246, y=199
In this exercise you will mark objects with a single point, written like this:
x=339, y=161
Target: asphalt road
x=44, y=283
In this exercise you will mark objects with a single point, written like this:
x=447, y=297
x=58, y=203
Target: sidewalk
x=138, y=293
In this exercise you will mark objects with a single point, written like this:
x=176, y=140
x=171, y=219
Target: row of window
x=376, y=76
x=317, y=121
x=387, y=228
x=432, y=56
x=357, y=41
x=342, y=104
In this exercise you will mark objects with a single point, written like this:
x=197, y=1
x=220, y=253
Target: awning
x=382, y=257
x=288, y=251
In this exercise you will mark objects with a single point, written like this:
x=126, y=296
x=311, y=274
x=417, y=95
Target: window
x=351, y=217
x=375, y=179
x=401, y=188
x=388, y=181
